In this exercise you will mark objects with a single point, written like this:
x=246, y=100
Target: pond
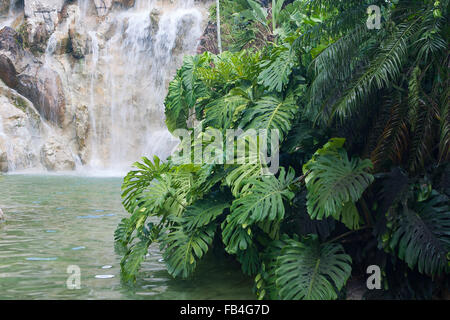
x=54, y=222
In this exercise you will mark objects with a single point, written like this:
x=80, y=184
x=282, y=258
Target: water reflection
x=44, y=234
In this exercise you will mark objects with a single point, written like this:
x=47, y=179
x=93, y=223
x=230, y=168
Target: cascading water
x=136, y=64
x=12, y=14
x=112, y=78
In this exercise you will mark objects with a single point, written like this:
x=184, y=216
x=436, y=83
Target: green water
x=57, y=221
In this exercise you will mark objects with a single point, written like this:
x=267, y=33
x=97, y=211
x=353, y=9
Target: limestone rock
x=4, y=6
x=125, y=3
x=3, y=160
x=24, y=73
x=55, y=156
x=45, y=90
x=155, y=17
x=78, y=40
x=43, y=11
x=18, y=127
x=82, y=130
x=103, y=7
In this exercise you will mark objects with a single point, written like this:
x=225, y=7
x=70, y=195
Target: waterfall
x=137, y=63
x=94, y=161
x=12, y=15
x=112, y=83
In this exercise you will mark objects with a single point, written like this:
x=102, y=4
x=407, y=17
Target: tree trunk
x=219, y=37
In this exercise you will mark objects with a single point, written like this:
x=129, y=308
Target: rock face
x=77, y=39
x=19, y=124
x=43, y=11
x=3, y=161
x=20, y=70
x=82, y=131
x=4, y=6
x=103, y=6
x=93, y=75
x=55, y=156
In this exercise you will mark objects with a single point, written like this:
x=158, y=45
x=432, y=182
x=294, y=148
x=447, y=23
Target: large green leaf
x=137, y=181
x=132, y=261
x=277, y=69
x=177, y=110
x=264, y=200
x=235, y=236
x=182, y=250
x=271, y=113
x=204, y=211
x=309, y=270
x=334, y=184
x=219, y=113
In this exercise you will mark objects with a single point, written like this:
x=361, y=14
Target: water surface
x=58, y=221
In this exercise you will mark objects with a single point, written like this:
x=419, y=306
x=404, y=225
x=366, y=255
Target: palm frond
x=422, y=235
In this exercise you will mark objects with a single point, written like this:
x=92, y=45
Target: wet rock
x=77, y=40
x=11, y=54
x=19, y=124
x=44, y=88
x=103, y=7
x=21, y=71
x=3, y=161
x=55, y=156
x=38, y=36
x=208, y=41
x=43, y=11
x=4, y=6
x=82, y=130
x=125, y=3
x=185, y=26
x=155, y=17
x=63, y=44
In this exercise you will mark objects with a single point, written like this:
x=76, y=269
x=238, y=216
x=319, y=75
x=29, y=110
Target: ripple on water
x=104, y=276
x=33, y=262
x=78, y=248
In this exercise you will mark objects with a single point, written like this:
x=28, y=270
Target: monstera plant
x=377, y=195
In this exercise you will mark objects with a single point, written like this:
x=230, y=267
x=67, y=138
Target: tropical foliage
x=363, y=122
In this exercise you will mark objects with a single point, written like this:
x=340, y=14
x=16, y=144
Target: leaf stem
x=347, y=234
